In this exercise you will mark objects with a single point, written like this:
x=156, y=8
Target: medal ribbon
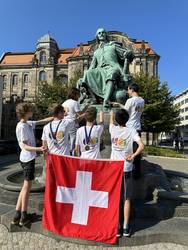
x=52, y=133
x=87, y=137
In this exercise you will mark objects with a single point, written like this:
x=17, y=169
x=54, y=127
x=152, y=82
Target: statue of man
x=105, y=70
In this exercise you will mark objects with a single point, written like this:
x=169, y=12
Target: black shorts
x=127, y=186
x=28, y=170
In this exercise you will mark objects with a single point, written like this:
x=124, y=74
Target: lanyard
x=87, y=137
x=52, y=133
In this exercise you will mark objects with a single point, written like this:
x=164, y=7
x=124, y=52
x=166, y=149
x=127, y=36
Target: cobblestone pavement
x=32, y=241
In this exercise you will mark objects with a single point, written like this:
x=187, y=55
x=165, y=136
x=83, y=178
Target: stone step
x=145, y=231
x=161, y=210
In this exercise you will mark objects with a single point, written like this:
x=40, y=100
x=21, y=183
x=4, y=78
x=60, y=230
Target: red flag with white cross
x=82, y=197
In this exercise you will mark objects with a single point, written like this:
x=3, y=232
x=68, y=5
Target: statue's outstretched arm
x=125, y=55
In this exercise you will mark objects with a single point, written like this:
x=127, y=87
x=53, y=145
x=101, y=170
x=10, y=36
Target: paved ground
x=174, y=164
x=27, y=241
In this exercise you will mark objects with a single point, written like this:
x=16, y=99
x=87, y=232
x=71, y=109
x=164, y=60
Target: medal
x=87, y=138
x=87, y=147
x=53, y=135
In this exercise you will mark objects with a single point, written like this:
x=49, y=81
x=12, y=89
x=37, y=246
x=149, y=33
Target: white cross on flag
x=82, y=197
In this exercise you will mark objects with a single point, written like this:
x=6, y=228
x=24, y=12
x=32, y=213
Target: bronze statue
x=108, y=74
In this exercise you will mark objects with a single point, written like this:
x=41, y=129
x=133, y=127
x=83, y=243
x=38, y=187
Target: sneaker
x=27, y=219
x=127, y=232
x=120, y=232
x=15, y=221
x=16, y=218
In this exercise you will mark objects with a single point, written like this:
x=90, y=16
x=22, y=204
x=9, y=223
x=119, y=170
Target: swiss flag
x=82, y=197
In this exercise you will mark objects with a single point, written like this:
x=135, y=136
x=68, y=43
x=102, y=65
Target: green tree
x=160, y=115
x=75, y=77
x=49, y=94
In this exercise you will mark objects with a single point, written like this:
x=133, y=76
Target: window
x=177, y=104
x=4, y=82
x=186, y=117
x=182, y=118
x=186, y=109
x=181, y=110
x=14, y=80
x=62, y=79
x=42, y=56
x=26, y=78
x=186, y=100
x=42, y=75
x=182, y=102
x=25, y=93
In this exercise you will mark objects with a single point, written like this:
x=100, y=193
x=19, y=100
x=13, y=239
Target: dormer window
x=43, y=56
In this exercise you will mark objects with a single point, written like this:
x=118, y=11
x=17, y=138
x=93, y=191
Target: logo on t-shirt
x=119, y=142
x=92, y=142
x=59, y=135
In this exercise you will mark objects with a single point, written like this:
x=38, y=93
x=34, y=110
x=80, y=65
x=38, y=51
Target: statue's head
x=101, y=35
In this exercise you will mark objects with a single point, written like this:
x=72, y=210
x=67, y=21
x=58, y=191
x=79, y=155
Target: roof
x=17, y=58
x=184, y=92
x=63, y=55
x=139, y=44
x=46, y=39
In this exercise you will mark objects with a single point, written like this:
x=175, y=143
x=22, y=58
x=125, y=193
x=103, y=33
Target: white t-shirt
x=24, y=132
x=134, y=107
x=122, y=139
x=60, y=145
x=94, y=143
x=71, y=108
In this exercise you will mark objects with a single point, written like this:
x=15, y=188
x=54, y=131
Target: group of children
x=63, y=136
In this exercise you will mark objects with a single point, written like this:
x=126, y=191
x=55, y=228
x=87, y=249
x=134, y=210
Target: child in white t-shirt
x=55, y=133
x=134, y=106
x=73, y=112
x=26, y=140
x=88, y=137
x=122, y=139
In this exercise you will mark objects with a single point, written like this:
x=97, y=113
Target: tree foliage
x=49, y=94
x=75, y=77
x=160, y=115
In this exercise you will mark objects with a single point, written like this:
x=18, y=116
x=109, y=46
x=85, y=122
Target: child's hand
x=43, y=149
x=130, y=157
x=115, y=104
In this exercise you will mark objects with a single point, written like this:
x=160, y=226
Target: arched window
x=14, y=80
x=26, y=78
x=4, y=82
x=25, y=93
x=42, y=56
x=42, y=75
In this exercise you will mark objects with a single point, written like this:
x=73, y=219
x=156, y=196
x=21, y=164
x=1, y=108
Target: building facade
x=181, y=102
x=1, y=101
x=22, y=72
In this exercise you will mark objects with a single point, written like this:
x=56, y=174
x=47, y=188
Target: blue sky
x=163, y=23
